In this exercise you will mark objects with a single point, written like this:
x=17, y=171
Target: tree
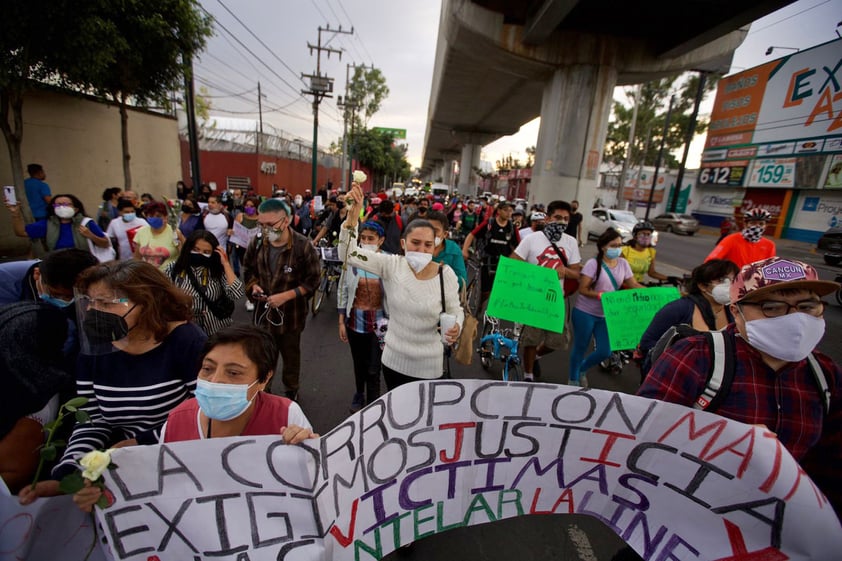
x=367, y=90
x=378, y=152
x=38, y=43
x=651, y=112
x=145, y=43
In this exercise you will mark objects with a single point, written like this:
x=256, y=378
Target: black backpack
x=721, y=373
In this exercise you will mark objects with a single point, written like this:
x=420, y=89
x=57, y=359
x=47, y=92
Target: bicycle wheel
x=472, y=297
x=486, y=350
x=319, y=296
x=515, y=373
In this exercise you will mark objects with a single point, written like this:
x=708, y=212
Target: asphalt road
x=327, y=386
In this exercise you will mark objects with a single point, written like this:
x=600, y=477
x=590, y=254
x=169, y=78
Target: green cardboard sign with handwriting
x=629, y=312
x=527, y=294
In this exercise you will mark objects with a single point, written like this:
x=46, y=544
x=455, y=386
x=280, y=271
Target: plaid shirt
x=786, y=401
x=301, y=269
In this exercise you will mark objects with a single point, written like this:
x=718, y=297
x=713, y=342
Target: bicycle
x=499, y=345
x=329, y=276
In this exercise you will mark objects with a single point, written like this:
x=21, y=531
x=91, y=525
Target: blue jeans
x=584, y=326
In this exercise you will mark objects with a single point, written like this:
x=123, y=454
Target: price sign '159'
x=773, y=173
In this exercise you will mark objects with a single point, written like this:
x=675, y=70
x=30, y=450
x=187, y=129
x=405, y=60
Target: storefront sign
x=777, y=172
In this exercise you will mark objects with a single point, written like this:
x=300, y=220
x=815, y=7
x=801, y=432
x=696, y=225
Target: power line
x=259, y=40
x=357, y=35
x=788, y=17
x=252, y=53
x=321, y=13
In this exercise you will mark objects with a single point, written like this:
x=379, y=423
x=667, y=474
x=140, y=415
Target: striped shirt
x=130, y=396
x=214, y=288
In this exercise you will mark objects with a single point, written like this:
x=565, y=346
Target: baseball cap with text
x=761, y=277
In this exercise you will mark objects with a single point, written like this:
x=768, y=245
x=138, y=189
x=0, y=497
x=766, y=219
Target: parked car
x=621, y=220
x=675, y=222
x=831, y=244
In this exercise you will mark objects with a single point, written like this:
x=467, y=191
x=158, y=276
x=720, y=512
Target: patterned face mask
x=753, y=233
x=554, y=230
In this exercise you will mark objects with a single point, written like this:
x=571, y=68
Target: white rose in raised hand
x=359, y=176
x=95, y=463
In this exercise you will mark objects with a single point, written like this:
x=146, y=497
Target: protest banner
x=673, y=482
x=527, y=294
x=242, y=235
x=629, y=312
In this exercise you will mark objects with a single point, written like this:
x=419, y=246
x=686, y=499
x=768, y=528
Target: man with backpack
x=763, y=369
x=496, y=237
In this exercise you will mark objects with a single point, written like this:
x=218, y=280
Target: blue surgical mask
x=613, y=252
x=222, y=402
x=57, y=302
x=155, y=222
x=129, y=217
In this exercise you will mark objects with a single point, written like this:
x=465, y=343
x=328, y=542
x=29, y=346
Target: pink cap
x=770, y=274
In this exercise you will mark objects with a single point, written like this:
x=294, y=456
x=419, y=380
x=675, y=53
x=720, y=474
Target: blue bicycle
x=499, y=345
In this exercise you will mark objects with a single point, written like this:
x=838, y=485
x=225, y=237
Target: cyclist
x=446, y=251
x=749, y=245
x=496, y=237
x=361, y=301
x=641, y=255
x=560, y=252
x=329, y=230
x=468, y=221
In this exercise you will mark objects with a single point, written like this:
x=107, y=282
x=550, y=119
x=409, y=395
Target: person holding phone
x=66, y=225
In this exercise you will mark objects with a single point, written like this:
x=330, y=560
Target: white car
x=603, y=218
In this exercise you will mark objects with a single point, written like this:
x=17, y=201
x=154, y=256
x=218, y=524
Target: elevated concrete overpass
x=501, y=63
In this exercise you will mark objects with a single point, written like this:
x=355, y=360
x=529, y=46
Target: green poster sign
x=527, y=294
x=683, y=198
x=396, y=133
x=629, y=312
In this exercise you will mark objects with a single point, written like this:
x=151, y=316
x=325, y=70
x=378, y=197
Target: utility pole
x=688, y=138
x=260, y=119
x=320, y=88
x=192, y=133
x=660, y=156
x=349, y=107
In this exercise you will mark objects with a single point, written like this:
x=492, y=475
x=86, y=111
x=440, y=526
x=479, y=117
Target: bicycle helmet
x=641, y=226
x=757, y=214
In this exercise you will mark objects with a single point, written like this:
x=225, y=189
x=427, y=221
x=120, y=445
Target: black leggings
x=366, y=353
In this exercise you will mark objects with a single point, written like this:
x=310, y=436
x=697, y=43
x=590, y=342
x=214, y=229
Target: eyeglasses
x=775, y=308
x=267, y=227
x=99, y=303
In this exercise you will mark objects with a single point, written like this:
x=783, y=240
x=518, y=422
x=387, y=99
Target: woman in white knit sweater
x=413, y=348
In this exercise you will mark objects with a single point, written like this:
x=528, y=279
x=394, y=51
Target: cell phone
x=9, y=192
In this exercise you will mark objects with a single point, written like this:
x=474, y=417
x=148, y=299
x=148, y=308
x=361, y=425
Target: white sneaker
x=528, y=377
x=249, y=306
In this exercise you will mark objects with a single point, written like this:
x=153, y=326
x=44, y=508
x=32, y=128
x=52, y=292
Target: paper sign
x=629, y=312
x=242, y=235
x=527, y=294
x=673, y=482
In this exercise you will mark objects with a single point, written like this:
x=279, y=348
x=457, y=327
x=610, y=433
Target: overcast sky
x=398, y=37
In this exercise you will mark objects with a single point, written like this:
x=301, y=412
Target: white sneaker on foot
x=527, y=377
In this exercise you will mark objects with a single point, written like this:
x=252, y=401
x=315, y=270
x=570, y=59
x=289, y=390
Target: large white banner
x=673, y=482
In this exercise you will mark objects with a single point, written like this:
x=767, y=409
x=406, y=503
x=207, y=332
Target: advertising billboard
x=765, y=117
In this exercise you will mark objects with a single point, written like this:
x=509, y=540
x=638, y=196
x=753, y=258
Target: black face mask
x=202, y=260
x=104, y=327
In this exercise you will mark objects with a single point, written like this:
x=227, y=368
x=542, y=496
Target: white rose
x=360, y=176
x=95, y=463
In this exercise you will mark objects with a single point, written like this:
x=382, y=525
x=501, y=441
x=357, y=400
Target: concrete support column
x=448, y=172
x=574, y=120
x=467, y=175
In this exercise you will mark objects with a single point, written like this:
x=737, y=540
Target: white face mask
x=65, y=211
x=721, y=293
x=438, y=241
x=418, y=260
x=370, y=247
x=273, y=236
x=791, y=337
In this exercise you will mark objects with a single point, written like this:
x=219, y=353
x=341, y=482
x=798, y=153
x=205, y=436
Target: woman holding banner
x=423, y=297
x=237, y=365
x=607, y=273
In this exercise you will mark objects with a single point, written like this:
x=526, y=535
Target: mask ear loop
x=266, y=315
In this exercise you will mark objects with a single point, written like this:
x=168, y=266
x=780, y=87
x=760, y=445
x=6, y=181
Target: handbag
x=465, y=345
x=222, y=307
x=570, y=285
